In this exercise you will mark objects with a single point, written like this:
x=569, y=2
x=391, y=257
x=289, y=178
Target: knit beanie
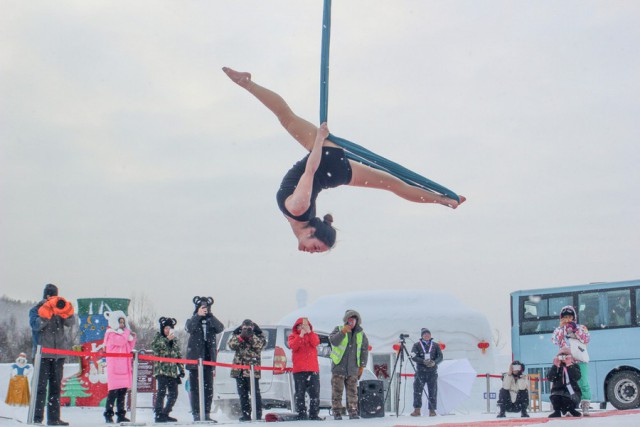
x=50, y=290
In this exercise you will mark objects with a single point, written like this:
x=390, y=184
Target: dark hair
x=324, y=231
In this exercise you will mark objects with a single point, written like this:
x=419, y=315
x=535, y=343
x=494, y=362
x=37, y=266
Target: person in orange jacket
x=306, y=372
x=54, y=313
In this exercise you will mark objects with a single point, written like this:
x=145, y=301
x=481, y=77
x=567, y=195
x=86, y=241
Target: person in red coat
x=303, y=343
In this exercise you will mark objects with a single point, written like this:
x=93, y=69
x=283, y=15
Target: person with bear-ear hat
x=168, y=375
x=202, y=328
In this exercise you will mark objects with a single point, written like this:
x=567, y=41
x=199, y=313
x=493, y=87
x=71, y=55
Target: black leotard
x=334, y=170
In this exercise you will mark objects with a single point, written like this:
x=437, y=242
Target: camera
x=403, y=336
x=562, y=357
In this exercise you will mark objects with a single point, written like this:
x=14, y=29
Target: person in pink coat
x=118, y=339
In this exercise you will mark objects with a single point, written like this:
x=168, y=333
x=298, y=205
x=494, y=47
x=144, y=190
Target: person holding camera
x=427, y=355
x=202, y=328
x=575, y=337
x=48, y=320
x=349, y=353
x=303, y=343
x=514, y=394
x=247, y=340
x=168, y=375
x=565, y=392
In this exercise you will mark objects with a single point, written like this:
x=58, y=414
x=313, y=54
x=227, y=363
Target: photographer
x=565, y=392
x=48, y=320
x=514, y=394
x=247, y=341
x=427, y=355
x=349, y=353
x=202, y=328
x=168, y=375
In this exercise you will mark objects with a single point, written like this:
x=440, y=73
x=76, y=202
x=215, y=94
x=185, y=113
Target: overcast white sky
x=130, y=163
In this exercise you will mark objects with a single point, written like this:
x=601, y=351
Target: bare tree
x=143, y=319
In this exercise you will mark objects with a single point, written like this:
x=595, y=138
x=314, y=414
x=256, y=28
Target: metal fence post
x=252, y=378
x=201, y=388
x=134, y=387
x=34, y=384
x=488, y=393
x=292, y=399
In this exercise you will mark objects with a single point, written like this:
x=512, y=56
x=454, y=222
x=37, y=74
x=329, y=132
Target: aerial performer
x=326, y=166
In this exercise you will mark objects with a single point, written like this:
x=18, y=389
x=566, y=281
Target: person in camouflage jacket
x=247, y=340
x=168, y=375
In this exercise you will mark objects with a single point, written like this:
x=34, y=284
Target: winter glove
x=429, y=363
x=360, y=370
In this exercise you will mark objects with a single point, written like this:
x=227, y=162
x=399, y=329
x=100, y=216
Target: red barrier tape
x=481, y=376
x=157, y=359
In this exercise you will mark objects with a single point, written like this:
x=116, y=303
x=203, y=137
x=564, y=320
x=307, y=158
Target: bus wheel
x=623, y=390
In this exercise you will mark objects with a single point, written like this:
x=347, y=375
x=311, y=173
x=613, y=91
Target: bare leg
x=365, y=176
x=303, y=131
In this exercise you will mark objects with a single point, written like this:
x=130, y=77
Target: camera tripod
x=399, y=361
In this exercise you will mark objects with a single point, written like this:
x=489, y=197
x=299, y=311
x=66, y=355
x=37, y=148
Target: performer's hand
x=429, y=363
x=323, y=131
x=202, y=311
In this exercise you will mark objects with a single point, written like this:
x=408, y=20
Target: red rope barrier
x=158, y=359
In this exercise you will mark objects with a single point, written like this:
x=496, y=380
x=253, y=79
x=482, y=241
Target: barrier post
x=134, y=388
x=488, y=393
x=34, y=384
x=292, y=399
x=201, y=388
x=252, y=379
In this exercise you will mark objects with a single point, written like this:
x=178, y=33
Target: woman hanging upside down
x=326, y=166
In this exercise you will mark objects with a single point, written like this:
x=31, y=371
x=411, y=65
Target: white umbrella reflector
x=455, y=380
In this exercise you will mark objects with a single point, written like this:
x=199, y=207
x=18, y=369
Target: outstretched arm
x=298, y=202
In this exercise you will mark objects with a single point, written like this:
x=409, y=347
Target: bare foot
x=240, y=78
x=452, y=203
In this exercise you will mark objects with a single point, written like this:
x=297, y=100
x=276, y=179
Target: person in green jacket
x=168, y=375
x=350, y=350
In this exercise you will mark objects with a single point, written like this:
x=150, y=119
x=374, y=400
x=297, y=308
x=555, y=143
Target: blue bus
x=611, y=313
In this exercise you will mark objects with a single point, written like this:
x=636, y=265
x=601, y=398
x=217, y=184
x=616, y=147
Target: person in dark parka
x=427, y=355
x=202, y=328
x=565, y=391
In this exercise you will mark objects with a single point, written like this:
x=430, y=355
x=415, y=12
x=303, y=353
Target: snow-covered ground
x=93, y=417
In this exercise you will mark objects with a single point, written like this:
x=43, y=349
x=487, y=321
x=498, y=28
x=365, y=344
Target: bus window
x=541, y=314
x=619, y=309
x=589, y=311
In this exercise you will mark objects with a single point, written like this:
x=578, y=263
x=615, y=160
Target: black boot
x=161, y=417
x=108, y=417
x=170, y=419
x=121, y=417
x=524, y=413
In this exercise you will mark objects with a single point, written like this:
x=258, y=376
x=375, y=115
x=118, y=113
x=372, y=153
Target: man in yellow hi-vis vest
x=350, y=350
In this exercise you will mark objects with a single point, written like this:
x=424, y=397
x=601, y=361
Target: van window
x=269, y=334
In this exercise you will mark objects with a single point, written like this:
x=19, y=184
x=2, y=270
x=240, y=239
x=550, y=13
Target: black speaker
x=371, y=398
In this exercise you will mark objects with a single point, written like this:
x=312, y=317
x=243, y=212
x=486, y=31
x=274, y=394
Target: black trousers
x=506, y=405
x=118, y=396
x=563, y=404
x=431, y=380
x=167, y=386
x=195, y=391
x=244, y=392
x=51, y=376
x=307, y=383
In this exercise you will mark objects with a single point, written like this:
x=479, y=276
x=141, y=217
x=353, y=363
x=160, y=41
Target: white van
x=276, y=387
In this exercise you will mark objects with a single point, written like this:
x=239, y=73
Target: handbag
x=579, y=350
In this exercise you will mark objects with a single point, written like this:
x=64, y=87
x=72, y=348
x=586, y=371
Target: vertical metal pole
x=488, y=393
x=34, y=384
x=134, y=387
x=201, y=388
x=292, y=399
x=252, y=379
